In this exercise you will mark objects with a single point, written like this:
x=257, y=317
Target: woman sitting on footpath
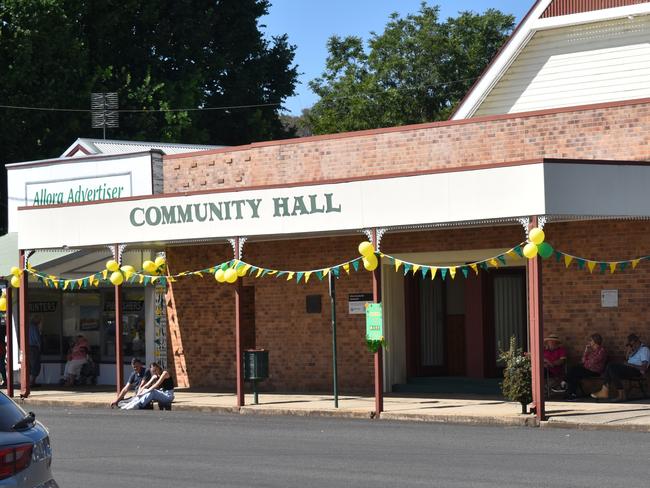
x=593, y=364
x=159, y=389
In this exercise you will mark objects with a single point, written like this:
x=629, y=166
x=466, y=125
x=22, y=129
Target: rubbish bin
x=256, y=368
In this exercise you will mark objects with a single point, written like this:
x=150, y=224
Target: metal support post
x=332, y=290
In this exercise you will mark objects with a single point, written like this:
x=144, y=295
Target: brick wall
x=571, y=297
x=618, y=132
x=202, y=323
x=202, y=312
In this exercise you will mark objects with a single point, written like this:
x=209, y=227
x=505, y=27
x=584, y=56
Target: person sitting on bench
x=638, y=358
x=594, y=359
x=162, y=390
x=554, y=361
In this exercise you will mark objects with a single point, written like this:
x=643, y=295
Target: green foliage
x=415, y=71
x=156, y=55
x=517, y=380
x=374, y=345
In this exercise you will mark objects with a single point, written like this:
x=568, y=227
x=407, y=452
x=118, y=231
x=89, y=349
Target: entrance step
x=450, y=384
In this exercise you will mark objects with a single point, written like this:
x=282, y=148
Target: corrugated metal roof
x=567, y=7
x=110, y=146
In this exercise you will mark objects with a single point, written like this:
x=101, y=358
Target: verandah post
x=119, y=356
x=10, y=343
x=536, y=329
x=23, y=309
x=379, y=366
x=241, y=400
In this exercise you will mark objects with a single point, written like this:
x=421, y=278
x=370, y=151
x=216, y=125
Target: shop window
x=82, y=315
x=133, y=325
x=46, y=305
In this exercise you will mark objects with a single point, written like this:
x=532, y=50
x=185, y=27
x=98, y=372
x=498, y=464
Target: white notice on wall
x=609, y=298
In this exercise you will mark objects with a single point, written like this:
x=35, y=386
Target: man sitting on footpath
x=638, y=358
x=140, y=376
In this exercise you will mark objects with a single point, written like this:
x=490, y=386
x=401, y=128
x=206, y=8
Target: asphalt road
x=141, y=449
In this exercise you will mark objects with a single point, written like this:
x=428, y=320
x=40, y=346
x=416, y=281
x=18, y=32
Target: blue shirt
x=136, y=379
x=34, y=336
x=642, y=355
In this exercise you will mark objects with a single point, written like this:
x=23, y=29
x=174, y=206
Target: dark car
x=25, y=453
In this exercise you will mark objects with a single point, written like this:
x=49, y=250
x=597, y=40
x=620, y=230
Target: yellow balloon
x=536, y=235
x=149, y=266
x=3, y=305
x=366, y=248
x=230, y=275
x=160, y=261
x=15, y=271
x=117, y=278
x=220, y=276
x=370, y=262
x=530, y=250
x=15, y=281
x=112, y=265
x=241, y=271
x=128, y=271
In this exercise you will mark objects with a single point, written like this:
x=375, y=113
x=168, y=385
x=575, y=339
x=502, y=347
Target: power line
x=377, y=91
x=144, y=110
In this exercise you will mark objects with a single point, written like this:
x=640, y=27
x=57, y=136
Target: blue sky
x=309, y=23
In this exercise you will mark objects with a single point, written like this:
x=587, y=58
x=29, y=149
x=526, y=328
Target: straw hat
x=552, y=337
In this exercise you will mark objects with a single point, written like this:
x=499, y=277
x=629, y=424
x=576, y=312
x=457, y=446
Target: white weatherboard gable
x=567, y=60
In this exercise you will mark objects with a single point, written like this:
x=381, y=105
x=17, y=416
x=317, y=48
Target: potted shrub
x=517, y=381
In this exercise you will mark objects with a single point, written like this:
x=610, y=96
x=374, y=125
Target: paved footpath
x=633, y=415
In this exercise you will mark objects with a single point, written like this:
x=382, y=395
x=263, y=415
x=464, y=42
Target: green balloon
x=545, y=250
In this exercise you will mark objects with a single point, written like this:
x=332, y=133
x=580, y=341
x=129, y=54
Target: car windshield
x=10, y=413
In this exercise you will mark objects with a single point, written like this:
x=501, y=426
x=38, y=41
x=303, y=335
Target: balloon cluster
x=15, y=278
x=367, y=250
x=120, y=273
x=154, y=267
x=3, y=305
x=231, y=273
x=536, y=245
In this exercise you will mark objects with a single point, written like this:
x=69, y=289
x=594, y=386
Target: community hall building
x=555, y=134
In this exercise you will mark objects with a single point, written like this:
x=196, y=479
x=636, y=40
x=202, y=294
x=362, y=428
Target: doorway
x=435, y=327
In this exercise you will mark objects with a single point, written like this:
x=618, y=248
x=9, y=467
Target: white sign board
x=429, y=198
x=78, y=190
x=609, y=298
x=357, y=303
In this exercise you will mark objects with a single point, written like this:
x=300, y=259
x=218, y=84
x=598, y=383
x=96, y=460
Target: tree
x=161, y=55
x=415, y=71
x=300, y=125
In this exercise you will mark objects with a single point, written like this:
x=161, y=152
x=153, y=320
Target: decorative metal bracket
x=120, y=251
x=525, y=223
x=238, y=253
x=380, y=233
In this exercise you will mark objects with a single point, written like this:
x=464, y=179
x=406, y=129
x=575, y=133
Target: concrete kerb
x=550, y=424
x=512, y=421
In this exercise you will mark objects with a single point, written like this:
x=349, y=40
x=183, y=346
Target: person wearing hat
x=554, y=359
x=638, y=358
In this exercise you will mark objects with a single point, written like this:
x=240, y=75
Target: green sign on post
x=374, y=322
